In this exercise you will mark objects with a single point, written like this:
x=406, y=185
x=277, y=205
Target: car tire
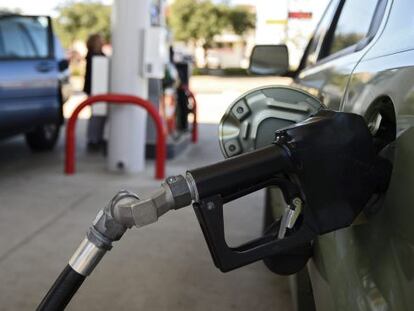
x=44, y=137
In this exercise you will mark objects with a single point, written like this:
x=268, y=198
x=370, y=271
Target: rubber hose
x=62, y=290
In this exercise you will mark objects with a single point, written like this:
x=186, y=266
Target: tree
x=77, y=20
x=201, y=20
x=193, y=20
x=211, y=21
x=241, y=20
x=181, y=20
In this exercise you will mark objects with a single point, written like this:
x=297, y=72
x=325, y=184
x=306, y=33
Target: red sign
x=300, y=15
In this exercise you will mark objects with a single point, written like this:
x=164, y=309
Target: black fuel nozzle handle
x=242, y=174
x=233, y=178
x=209, y=212
x=328, y=163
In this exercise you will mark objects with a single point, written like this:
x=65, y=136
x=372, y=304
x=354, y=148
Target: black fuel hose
x=62, y=291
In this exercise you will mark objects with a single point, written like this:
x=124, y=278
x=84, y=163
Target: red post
x=195, y=122
x=119, y=99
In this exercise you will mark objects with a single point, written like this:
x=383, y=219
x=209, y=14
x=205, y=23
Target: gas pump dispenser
x=323, y=161
x=164, y=84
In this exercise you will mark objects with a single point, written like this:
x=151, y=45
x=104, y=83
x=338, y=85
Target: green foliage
x=235, y=72
x=199, y=71
x=226, y=72
x=190, y=20
x=210, y=20
x=193, y=20
x=77, y=20
x=181, y=20
x=241, y=20
x=345, y=40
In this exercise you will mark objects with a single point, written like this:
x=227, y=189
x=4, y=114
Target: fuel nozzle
x=227, y=178
x=326, y=168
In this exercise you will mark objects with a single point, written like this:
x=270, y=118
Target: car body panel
x=328, y=82
x=30, y=87
x=27, y=97
x=328, y=78
x=369, y=266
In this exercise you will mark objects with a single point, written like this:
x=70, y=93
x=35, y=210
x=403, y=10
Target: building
x=291, y=22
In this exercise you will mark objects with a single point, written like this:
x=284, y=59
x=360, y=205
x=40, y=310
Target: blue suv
x=34, y=80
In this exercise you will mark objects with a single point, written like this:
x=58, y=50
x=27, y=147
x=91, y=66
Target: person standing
x=96, y=124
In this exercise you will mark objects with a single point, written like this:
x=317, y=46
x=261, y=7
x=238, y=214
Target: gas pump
x=323, y=161
x=164, y=84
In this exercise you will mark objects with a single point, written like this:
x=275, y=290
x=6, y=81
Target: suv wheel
x=43, y=137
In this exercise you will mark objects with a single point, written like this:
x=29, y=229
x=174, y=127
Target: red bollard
x=119, y=99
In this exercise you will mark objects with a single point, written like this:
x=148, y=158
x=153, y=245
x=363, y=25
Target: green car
x=361, y=60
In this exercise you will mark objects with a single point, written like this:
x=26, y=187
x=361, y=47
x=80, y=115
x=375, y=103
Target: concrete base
x=175, y=146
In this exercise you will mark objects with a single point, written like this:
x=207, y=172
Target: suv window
x=353, y=24
x=24, y=37
x=319, y=35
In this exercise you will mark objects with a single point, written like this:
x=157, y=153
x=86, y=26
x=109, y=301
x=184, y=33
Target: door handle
x=44, y=67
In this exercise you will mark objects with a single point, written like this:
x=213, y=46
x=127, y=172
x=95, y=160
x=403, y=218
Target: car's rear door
x=28, y=73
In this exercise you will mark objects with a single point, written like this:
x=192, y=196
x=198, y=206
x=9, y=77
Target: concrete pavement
x=166, y=266
x=214, y=94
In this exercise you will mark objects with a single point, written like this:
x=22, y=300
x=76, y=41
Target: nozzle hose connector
x=86, y=257
x=105, y=229
x=124, y=211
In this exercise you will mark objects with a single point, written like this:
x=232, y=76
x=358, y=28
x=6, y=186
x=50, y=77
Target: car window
x=24, y=37
x=353, y=24
x=315, y=45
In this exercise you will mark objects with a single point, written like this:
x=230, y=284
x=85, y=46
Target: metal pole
x=127, y=124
